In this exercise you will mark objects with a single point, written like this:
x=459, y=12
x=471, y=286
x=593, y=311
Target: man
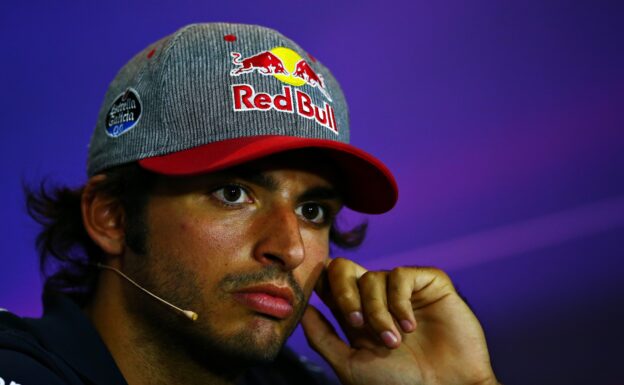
x=216, y=170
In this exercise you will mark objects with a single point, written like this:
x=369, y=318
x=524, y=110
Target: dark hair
x=67, y=255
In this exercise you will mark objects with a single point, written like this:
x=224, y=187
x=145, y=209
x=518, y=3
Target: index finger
x=340, y=289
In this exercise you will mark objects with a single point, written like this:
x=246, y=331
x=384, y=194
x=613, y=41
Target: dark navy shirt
x=63, y=348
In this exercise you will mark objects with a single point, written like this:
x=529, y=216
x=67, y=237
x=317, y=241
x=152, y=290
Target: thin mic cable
x=187, y=313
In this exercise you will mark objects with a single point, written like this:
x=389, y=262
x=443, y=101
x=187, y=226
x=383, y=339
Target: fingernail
x=407, y=325
x=356, y=319
x=389, y=338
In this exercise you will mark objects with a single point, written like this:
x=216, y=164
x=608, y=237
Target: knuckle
x=371, y=276
x=433, y=271
x=347, y=298
x=395, y=285
x=442, y=274
x=397, y=278
x=377, y=316
x=339, y=262
x=440, y=277
x=439, y=274
x=338, y=267
x=401, y=272
x=395, y=293
x=400, y=307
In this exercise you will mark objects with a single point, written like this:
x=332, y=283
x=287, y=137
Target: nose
x=280, y=240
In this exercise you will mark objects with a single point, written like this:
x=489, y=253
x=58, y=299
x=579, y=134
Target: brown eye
x=231, y=194
x=312, y=212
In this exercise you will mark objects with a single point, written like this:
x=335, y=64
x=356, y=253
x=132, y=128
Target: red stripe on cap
x=369, y=185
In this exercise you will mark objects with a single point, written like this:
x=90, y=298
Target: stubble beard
x=201, y=341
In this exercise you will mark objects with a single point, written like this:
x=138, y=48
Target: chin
x=257, y=342
x=253, y=353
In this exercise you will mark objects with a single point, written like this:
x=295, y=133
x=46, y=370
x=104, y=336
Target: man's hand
x=406, y=326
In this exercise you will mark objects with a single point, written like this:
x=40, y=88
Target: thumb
x=323, y=338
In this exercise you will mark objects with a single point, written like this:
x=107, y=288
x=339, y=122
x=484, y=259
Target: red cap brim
x=369, y=185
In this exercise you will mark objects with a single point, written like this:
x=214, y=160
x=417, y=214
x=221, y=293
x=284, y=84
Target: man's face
x=242, y=248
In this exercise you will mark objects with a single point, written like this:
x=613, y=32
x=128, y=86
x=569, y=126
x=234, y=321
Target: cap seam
x=165, y=70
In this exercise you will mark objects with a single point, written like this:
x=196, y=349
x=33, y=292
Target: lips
x=268, y=299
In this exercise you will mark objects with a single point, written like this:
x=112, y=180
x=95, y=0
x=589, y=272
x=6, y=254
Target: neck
x=142, y=354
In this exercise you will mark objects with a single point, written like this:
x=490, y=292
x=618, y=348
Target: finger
x=373, y=291
x=401, y=285
x=323, y=338
x=343, y=275
x=429, y=286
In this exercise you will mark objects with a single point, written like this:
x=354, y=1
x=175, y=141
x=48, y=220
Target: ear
x=103, y=218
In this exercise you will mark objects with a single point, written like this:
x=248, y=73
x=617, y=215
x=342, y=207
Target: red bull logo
x=246, y=98
x=305, y=72
x=265, y=63
x=288, y=67
x=285, y=64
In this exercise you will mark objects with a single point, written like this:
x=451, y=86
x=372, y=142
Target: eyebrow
x=268, y=182
x=259, y=178
x=321, y=193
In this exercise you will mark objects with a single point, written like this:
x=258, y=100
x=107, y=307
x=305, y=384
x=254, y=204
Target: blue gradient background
x=502, y=121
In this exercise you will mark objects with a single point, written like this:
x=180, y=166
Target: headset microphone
x=187, y=313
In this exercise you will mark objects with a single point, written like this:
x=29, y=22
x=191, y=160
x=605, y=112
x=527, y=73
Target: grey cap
x=215, y=95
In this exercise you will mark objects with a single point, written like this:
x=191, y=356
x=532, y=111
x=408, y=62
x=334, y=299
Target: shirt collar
x=67, y=332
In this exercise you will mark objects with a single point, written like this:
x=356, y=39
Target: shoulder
x=23, y=360
x=19, y=368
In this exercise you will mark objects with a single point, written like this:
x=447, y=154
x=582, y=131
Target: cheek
x=207, y=242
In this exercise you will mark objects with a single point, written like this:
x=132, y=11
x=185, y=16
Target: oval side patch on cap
x=124, y=113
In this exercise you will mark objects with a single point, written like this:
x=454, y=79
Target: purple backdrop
x=503, y=123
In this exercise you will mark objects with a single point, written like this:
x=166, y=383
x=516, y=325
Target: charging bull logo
x=283, y=63
x=305, y=72
x=266, y=63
